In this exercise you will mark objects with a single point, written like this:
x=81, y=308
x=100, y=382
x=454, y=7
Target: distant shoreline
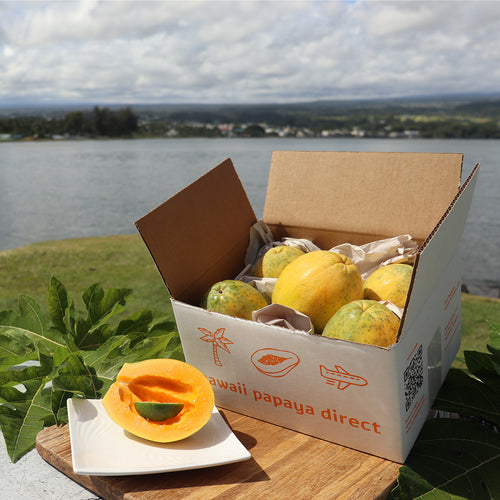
x=439, y=117
x=68, y=139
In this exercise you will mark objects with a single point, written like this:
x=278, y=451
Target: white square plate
x=101, y=447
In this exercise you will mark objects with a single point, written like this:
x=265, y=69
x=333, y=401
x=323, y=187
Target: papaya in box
x=369, y=398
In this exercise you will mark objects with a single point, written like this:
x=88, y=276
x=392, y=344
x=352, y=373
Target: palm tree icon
x=218, y=342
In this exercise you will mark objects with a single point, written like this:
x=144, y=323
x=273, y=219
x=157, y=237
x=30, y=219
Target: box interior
x=335, y=197
x=200, y=235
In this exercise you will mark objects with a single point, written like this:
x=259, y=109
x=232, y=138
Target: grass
x=114, y=261
x=124, y=262
x=477, y=312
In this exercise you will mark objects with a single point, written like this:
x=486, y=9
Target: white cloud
x=205, y=51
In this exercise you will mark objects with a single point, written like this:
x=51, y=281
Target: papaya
x=390, y=282
x=234, y=298
x=317, y=284
x=160, y=381
x=364, y=321
x=275, y=260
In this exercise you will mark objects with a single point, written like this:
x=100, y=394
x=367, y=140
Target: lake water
x=67, y=189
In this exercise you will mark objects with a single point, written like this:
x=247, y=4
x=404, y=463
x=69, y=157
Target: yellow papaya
x=389, y=282
x=275, y=260
x=234, y=298
x=317, y=284
x=364, y=321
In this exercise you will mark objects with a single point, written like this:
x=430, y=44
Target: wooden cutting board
x=284, y=464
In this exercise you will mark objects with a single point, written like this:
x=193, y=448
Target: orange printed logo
x=274, y=362
x=218, y=342
x=341, y=377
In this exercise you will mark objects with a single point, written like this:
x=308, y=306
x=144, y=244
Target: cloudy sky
x=245, y=51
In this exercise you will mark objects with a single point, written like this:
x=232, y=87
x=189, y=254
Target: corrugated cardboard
x=201, y=233
x=365, y=397
x=367, y=196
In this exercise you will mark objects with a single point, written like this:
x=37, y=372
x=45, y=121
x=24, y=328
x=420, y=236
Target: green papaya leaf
x=459, y=458
x=78, y=378
x=101, y=305
x=481, y=365
x=174, y=349
x=476, y=395
x=93, y=330
x=107, y=353
x=59, y=306
x=151, y=347
x=45, y=361
x=494, y=344
x=452, y=459
x=469, y=396
x=110, y=357
x=31, y=317
x=24, y=413
x=58, y=400
x=14, y=350
x=30, y=326
x=138, y=323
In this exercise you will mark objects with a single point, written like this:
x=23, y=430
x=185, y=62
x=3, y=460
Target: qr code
x=413, y=377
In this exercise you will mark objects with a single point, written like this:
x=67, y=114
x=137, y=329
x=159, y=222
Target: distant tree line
x=100, y=122
x=458, y=129
x=432, y=119
x=372, y=122
x=435, y=127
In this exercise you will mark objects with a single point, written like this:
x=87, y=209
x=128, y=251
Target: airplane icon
x=341, y=377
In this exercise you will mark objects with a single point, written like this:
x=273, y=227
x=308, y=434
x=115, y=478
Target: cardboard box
x=364, y=397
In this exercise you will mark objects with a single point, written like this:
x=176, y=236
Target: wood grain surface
x=284, y=464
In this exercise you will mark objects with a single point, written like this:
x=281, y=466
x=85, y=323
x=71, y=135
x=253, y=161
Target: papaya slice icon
x=274, y=362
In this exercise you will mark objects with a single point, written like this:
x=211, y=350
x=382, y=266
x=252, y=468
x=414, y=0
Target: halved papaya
x=160, y=381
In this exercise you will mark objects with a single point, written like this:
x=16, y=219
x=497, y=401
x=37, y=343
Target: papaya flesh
x=160, y=381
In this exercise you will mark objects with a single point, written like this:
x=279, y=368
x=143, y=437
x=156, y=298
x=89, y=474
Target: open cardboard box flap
x=200, y=235
x=359, y=196
x=439, y=247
